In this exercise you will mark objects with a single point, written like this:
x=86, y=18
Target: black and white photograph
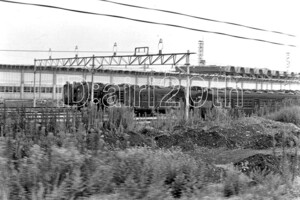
x=149, y=100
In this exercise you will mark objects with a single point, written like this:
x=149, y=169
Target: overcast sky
x=35, y=28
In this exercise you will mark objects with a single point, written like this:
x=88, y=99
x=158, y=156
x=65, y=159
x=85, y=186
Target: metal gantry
x=141, y=57
x=117, y=60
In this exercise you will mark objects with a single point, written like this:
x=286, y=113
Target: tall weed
x=288, y=115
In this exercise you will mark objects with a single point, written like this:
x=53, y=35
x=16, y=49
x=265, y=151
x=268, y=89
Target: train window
x=2, y=88
x=50, y=90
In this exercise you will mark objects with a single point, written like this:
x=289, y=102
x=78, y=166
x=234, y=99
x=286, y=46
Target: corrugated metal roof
x=210, y=71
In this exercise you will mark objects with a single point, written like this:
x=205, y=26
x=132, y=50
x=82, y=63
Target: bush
x=139, y=170
x=40, y=175
x=289, y=115
x=65, y=172
x=120, y=117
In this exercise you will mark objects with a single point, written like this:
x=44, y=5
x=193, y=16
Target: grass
x=288, y=115
x=90, y=157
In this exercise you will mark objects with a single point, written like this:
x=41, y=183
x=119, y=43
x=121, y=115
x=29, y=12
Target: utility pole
x=34, y=84
x=287, y=67
x=40, y=84
x=92, y=86
x=187, y=89
x=201, y=62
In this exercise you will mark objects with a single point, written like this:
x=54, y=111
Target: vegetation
x=92, y=156
x=288, y=114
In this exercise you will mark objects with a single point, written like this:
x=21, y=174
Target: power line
x=196, y=17
x=148, y=22
x=58, y=51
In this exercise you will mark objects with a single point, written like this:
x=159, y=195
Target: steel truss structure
x=115, y=60
x=141, y=57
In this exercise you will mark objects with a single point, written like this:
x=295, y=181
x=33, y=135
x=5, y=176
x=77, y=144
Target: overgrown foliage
x=91, y=156
x=288, y=114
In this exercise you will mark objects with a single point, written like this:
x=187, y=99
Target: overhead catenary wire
x=148, y=22
x=197, y=17
x=57, y=51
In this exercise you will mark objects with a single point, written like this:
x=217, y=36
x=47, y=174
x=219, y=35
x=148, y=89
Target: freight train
x=144, y=99
x=149, y=98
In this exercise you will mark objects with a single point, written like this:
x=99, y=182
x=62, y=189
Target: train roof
x=241, y=71
x=256, y=93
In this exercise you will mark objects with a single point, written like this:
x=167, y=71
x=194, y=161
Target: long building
x=18, y=81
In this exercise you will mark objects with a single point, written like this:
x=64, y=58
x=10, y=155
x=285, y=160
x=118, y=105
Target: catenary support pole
x=22, y=84
x=187, y=89
x=92, y=85
x=40, y=83
x=54, y=82
x=34, y=84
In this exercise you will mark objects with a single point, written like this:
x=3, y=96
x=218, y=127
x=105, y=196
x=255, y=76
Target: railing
x=39, y=113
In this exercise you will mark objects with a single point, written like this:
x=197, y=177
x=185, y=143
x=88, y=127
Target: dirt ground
x=248, y=140
x=248, y=133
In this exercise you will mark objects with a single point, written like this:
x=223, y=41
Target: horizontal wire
x=196, y=17
x=148, y=22
x=60, y=51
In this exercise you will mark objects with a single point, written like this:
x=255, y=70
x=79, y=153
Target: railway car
x=144, y=99
x=149, y=99
x=252, y=100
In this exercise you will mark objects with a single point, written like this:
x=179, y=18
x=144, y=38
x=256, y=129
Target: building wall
x=18, y=82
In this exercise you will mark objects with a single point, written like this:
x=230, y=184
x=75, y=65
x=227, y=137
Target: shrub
x=219, y=116
x=120, y=117
x=288, y=114
x=138, y=170
x=40, y=175
x=235, y=182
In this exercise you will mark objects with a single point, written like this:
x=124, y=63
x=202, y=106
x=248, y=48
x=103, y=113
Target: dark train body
x=148, y=98
x=144, y=99
x=251, y=101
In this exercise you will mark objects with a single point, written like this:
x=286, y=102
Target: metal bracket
x=141, y=51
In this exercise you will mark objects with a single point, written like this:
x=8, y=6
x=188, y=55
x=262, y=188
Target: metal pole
x=287, y=69
x=225, y=92
x=187, y=89
x=54, y=86
x=34, y=84
x=22, y=84
x=92, y=86
x=40, y=83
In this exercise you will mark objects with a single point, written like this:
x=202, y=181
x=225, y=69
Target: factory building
x=19, y=81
